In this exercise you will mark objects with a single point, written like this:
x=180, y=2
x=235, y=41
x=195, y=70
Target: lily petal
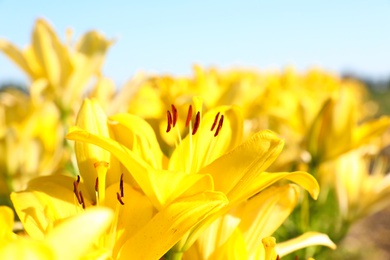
x=6, y=223
x=153, y=182
x=169, y=225
x=16, y=56
x=138, y=136
x=263, y=214
x=45, y=203
x=79, y=233
x=305, y=240
x=254, y=155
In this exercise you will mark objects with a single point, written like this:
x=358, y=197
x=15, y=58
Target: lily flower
x=362, y=184
x=59, y=72
x=78, y=233
x=245, y=231
x=31, y=138
x=336, y=130
x=211, y=157
x=139, y=229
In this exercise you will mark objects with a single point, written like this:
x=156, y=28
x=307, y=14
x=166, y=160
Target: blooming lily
x=210, y=157
x=78, y=233
x=138, y=230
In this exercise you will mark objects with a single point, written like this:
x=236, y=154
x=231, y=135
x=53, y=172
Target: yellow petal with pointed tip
x=263, y=214
x=235, y=171
x=45, y=203
x=305, y=240
x=169, y=225
x=138, y=136
x=265, y=179
x=72, y=238
x=16, y=56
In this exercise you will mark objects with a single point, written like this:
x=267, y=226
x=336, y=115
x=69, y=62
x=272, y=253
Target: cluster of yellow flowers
x=180, y=168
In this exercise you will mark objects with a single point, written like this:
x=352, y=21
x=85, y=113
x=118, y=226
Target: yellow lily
x=60, y=73
x=361, y=189
x=245, y=232
x=31, y=139
x=139, y=229
x=78, y=233
x=204, y=160
x=336, y=129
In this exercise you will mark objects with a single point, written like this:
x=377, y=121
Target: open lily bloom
x=210, y=158
x=245, y=231
x=59, y=72
x=139, y=229
x=336, y=129
x=31, y=139
x=77, y=233
x=362, y=184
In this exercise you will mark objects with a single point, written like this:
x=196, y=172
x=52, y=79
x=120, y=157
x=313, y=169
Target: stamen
x=189, y=116
x=174, y=115
x=76, y=191
x=220, y=123
x=277, y=257
x=121, y=186
x=196, y=124
x=97, y=184
x=215, y=122
x=118, y=196
x=82, y=200
x=169, y=116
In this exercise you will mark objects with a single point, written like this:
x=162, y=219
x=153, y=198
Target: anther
x=174, y=115
x=82, y=199
x=121, y=186
x=215, y=122
x=277, y=257
x=78, y=179
x=76, y=191
x=97, y=185
x=189, y=116
x=118, y=196
x=196, y=124
x=220, y=123
x=169, y=116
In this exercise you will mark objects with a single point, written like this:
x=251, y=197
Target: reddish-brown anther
x=82, y=199
x=174, y=115
x=215, y=122
x=189, y=116
x=76, y=191
x=220, y=123
x=118, y=196
x=97, y=184
x=169, y=117
x=196, y=123
x=121, y=186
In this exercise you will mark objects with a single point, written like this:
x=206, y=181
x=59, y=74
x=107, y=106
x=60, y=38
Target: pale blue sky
x=169, y=36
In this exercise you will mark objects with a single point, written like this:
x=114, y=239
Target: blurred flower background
x=100, y=100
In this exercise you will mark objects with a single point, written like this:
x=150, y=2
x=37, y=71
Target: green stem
x=173, y=255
